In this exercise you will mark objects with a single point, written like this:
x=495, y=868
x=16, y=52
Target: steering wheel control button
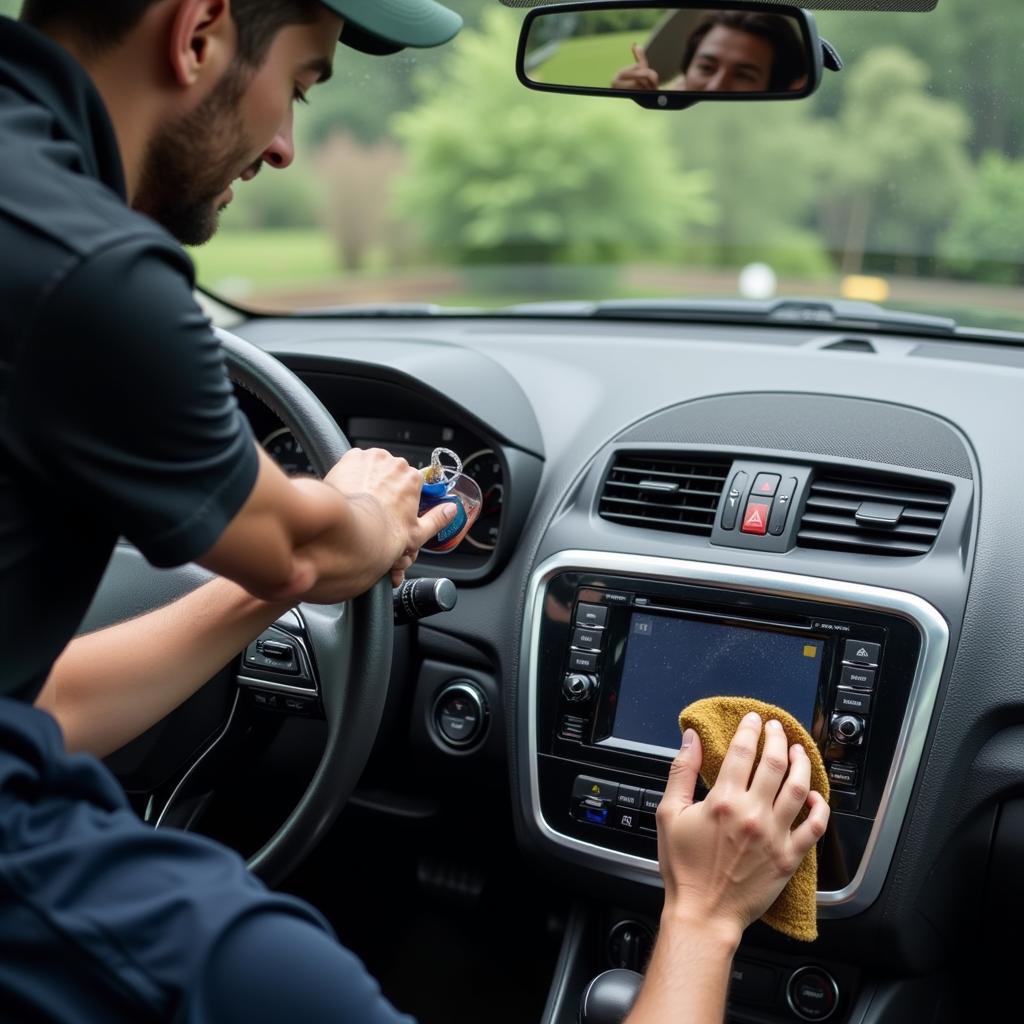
x=591, y=615
x=582, y=661
x=586, y=787
x=860, y=652
x=733, y=499
x=812, y=994
x=587, y=639
x=765, y=485
x=628, y=796
x=781, y=506
x=273, y=654
x=853, y=701
x=847, y=729
x=755, y=518
x=265, y=700
x=844, y=775
x=650, y=799
x=578, y=687
x=860, y=678
x=460, y=714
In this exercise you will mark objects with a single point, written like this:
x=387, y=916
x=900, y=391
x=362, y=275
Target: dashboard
x=785, y=513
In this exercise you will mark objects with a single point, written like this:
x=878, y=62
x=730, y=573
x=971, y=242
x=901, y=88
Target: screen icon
x=810, y=651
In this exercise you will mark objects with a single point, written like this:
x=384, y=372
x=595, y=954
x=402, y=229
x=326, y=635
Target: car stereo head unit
x=616, y=658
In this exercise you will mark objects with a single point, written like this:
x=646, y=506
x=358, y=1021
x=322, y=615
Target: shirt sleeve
x=124, y=405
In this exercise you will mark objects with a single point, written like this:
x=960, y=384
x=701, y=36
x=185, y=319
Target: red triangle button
x=755, y=519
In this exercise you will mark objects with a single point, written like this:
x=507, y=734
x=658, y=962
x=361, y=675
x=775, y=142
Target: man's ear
x=203, y=41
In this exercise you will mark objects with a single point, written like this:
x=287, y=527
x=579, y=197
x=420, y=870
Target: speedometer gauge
x=483, y=466
x=286, y=451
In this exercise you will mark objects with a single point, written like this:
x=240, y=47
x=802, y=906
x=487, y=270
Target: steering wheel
x=350, y=644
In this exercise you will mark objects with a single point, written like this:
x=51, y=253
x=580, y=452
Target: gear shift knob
x=610, y=997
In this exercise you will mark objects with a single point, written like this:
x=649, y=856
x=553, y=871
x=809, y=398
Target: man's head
x=201, y=92
x=743, y=51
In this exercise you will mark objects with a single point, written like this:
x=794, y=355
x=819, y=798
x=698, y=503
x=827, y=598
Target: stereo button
x=862, y=678
x=844, y=775
x=587, y=639
x=582, y=661
x=624, y=817
x=598, y=789
x=650, y=799
x=861, y=652
x=853, y=700
x=629, y=796
x=591, y=615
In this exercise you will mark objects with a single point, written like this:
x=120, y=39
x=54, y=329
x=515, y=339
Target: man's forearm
x=108, y=687
x=688, y=975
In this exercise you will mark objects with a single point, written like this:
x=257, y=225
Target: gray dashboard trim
x=866, y=885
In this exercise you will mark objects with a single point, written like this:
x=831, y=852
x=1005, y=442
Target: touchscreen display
x=671, y=662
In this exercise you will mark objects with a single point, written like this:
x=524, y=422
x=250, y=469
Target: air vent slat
x=662, y=491
x=830, y=518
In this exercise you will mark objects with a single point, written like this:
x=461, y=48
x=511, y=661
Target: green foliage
x=529, y=177
x=897, y=164
x=986, y=237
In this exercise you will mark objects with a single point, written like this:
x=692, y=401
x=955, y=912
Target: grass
x=236, y=261
x=591, y=61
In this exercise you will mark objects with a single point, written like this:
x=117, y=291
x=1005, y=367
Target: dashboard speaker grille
x=663, y=491
x=874, y=516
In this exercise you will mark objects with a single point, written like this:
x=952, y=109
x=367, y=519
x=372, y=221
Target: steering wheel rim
x=353, y=674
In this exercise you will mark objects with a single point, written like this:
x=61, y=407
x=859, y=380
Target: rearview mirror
x=672, y=55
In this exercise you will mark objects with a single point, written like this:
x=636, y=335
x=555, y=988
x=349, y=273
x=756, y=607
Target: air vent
x=662, y=491
x=872, y=516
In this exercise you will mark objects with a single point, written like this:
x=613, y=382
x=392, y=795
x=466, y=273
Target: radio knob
x=577, y=686
x=847, y=729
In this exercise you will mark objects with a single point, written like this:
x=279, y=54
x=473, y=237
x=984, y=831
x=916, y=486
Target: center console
x=617, y=645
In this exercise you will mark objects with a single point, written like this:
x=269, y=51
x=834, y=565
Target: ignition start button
x=460, y=714
x=812, y=993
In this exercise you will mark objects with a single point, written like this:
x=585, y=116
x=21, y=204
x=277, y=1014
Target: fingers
x=739, y=758
x=639, y=55
x=812, y=828
x=793, y=794
x=682, y=777
x=397, y=577
x=432, y=522
x=771, y=769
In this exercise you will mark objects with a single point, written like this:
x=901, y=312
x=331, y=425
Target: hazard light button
x=755, y=518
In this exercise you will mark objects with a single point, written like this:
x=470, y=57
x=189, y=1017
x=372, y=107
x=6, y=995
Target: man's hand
x=725, y=860
x=639, y=75
x=385, y=494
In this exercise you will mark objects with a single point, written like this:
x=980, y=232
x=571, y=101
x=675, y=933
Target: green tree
x=533, y=177
x=986, y=238
x=765, y=162
x=898, y=163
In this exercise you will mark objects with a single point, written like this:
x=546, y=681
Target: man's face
x=730, y=60
x=245, y=121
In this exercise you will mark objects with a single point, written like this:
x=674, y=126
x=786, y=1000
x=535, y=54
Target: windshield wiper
x=798, y=312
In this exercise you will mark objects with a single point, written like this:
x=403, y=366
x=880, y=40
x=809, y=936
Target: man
x=729, y=51
x=116, y=418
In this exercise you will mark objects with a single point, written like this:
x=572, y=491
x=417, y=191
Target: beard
x=191, y=162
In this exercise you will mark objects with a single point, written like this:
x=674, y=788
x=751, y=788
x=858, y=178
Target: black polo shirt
x=116, y=417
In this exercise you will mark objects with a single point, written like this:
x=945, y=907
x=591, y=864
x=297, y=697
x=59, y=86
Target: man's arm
x=724, y=862
x=110, y=686
x=306, y=540
x=292, y=540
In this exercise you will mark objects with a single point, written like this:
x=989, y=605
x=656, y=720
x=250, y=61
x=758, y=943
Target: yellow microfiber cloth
x=715, y=720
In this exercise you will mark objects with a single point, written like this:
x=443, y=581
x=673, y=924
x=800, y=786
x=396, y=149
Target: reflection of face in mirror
x=729, y=51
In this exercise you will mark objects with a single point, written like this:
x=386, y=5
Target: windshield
x=435, y=176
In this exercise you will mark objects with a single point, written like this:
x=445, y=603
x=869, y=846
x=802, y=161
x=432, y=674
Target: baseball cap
x=387, y=26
